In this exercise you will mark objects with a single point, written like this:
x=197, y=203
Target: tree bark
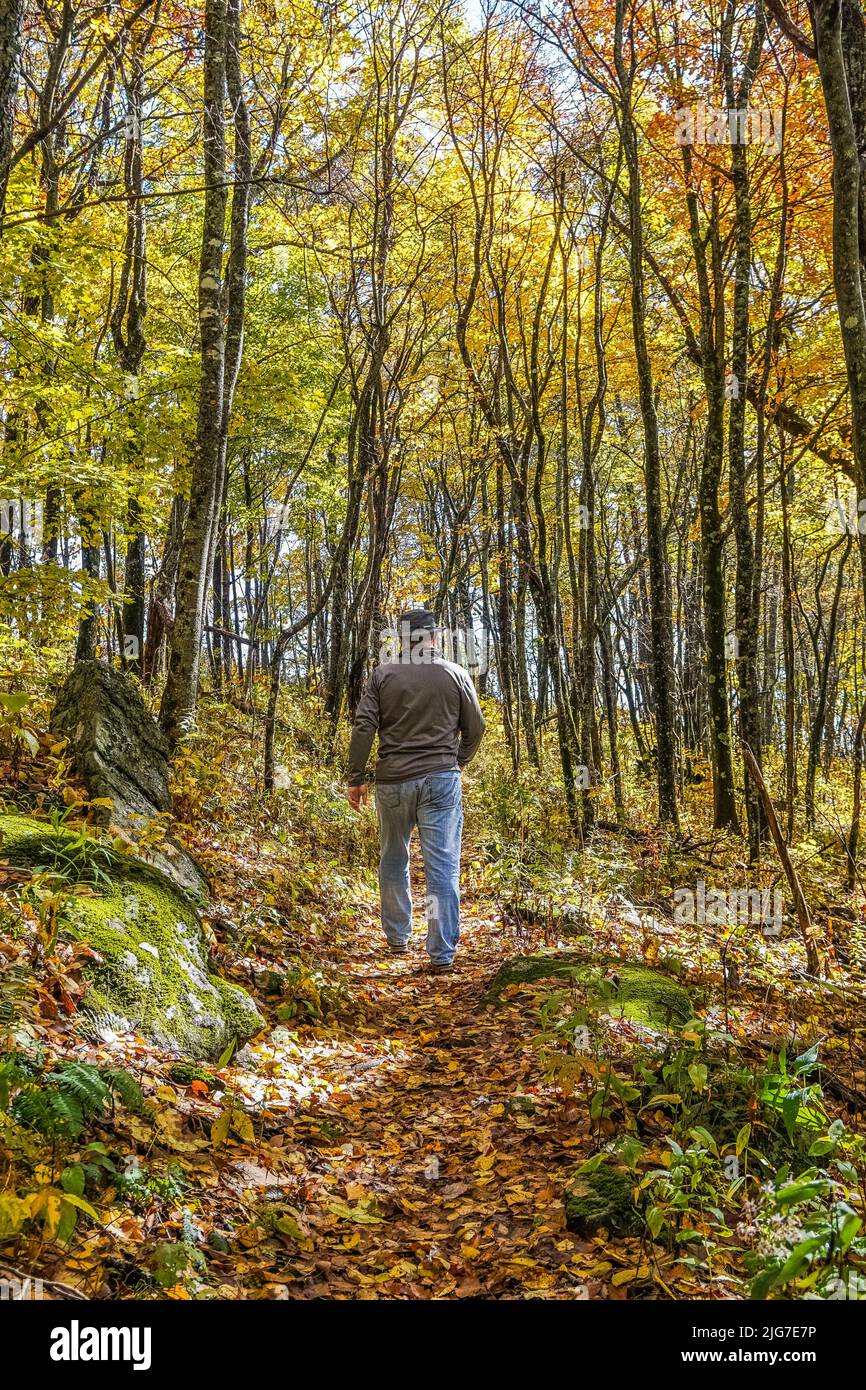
x=11, y=14
x=660, y=618
x=178, y=707
x=127, y=327
x=746, y=590
x=840, y=42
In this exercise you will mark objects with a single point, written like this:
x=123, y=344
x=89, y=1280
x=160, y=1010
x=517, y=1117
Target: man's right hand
x=358, y=796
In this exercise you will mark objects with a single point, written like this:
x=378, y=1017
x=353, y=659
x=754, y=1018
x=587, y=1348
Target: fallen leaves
x=408, y=1148
x=364, y=1212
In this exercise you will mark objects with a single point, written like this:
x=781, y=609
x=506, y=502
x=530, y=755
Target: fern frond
x=127, y=1089
x=30, y=1107
x=84, y=1083
x=67, y=1116
x=16, y=984
x=50, y=1112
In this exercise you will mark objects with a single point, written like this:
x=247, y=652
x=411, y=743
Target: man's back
x=427, y=717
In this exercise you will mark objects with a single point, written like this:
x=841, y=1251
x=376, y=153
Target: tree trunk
x=822, y=676
x=660, y=618
x=747, y=591
x=840, y=41
x=11, y=13
x=177, y=711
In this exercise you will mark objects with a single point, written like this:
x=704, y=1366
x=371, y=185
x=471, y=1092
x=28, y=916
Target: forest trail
x=444, y=1172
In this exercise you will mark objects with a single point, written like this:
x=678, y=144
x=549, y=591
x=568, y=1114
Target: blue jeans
x=435, y=804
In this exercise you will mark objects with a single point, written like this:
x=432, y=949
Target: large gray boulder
x=121, y=753
x=150, y=972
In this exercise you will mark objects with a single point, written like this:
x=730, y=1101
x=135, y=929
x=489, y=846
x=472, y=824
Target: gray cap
x=418, y=620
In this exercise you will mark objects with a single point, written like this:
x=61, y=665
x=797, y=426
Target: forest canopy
x=422, y=380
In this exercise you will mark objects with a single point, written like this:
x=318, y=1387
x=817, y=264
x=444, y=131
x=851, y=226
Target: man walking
x=429, y=723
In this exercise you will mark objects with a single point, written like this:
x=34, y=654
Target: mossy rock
x=122, y=756
x=647, y=996
x=538, y=910
x=602, y=1198
x=521, y=1105
x=185, y=1073
x=637, y=993
x=152, y=975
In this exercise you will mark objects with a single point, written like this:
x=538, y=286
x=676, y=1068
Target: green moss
x=185, y=1073
x=647, y=996
x=240, y=1013
x=602, y=1198
x=152, y=974
x=28, y=842
x=638, y=993
x=521, y=970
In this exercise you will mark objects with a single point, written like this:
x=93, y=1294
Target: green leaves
x=655, y=1220
x=704, y=1138
x=698, y=1074
x=792, y=1194
x=364, y=1212
x=14, y=702
x=14, y=728
x=798, y=1105
x=73, y=1179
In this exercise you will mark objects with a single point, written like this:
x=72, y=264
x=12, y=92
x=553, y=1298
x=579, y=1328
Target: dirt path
x=431, y=1168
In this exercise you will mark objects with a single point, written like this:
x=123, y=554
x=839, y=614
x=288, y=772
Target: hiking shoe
x=440, y=967
x=398, y=950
